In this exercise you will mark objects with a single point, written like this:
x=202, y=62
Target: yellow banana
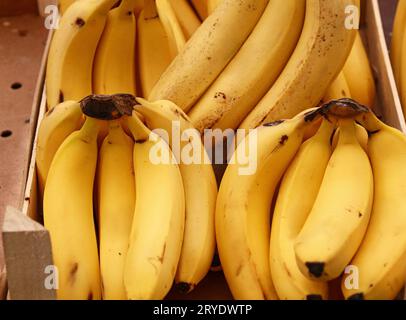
x=64, y=5
x=291, y=210
x=207, y=53
x=319, y=56
x=244, y=204
x=68, y=214
x=358, y=73
x=200, y=189
x=338, y=89
x=212, y=5
x=254, y=69
x=171, y=25
x=398, y=34
x=56, y=126
x=339, y=217
x=114, y=65
x=159, y=217
x=116, y=202
x=381, y=259
x=154, y=54
x=70, y=58
x=187, y=18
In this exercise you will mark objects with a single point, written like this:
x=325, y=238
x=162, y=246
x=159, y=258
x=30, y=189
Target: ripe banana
x=70, y=58
x=212, y=5
x=318, y=58
x=200, y=189
x=171, y=25
x=159, y=217
x=254, y=69
x=201, y=8
x=358, y=73
x=338, y=89
x=114, y=65
x=207, y=53
x=381, y=259
x=398, y=33
x=56, y=126
x=291, y=210
x=64, y=5
x=187, y=18
x=68, y=214
x=339, y=217
x=244, y=204
x=154, y=54
x=116, y=202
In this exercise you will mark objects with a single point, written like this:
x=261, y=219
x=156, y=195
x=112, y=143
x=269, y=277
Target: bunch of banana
x=348, y=216
x=208, y=52
x=253, y=70
x=144, y=244
x=398, y=50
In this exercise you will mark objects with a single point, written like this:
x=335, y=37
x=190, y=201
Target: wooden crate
x=27, y=243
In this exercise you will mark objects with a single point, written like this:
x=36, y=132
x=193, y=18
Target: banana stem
x=90, y=129
x=150, y=9
x=138, y=129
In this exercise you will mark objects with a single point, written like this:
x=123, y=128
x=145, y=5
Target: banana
x=154, y=54
x=159, y=217
x=208, y=52
x=171, y=25
x=319, y=56
x=56, y=126
x=200, y=190
x=402, y=76
x=244, y=204
x=187, y=18
x=399, y=28
x=291, y=210
x=358, y=73
x=64, y=5
x=114, y=65
x=338, y=220
x=338, y=89
x=361, y=134
x=254, y=69
x=68, y=214
x=381, y=259
x=212, y=5
x=201, y=8
x=116, y=202
x=70, y=58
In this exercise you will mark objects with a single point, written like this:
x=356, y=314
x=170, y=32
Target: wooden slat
x=28, y=252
